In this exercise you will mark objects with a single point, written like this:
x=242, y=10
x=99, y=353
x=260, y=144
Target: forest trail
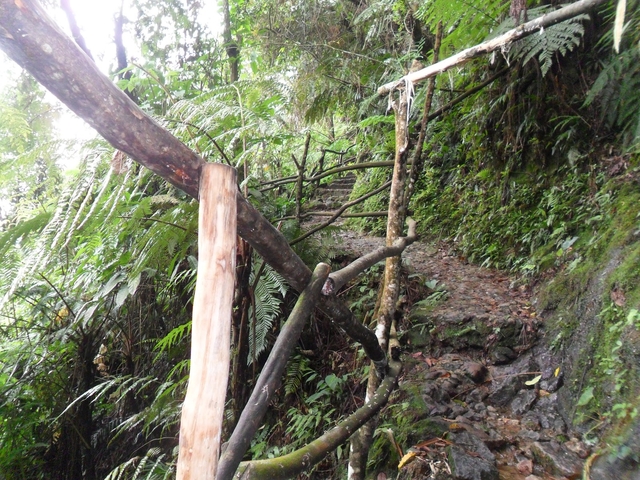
x=488, y=390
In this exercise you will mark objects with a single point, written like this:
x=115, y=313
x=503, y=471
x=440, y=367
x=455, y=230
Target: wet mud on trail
x=487, y=389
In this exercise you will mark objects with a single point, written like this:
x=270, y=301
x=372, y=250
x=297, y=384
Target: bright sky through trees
x=96, y=22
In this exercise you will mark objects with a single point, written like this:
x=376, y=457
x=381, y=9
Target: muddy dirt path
x=489, y=390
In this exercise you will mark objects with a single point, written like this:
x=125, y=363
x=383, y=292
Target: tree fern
x=465, y=22
x=560, y=38
x=616, y=87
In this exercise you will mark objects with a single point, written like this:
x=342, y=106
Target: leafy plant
x=269, y=291
x=560, y=38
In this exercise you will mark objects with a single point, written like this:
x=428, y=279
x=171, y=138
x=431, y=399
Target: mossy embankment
x=574, y=234
x=590, y=305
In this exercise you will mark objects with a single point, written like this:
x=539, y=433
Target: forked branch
x=290, y=465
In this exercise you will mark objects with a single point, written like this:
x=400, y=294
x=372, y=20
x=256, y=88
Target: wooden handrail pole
x=203, y=408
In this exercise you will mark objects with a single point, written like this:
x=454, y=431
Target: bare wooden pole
x=203, y=408
x=362, y=441
x=524, y=30
x=271, y=375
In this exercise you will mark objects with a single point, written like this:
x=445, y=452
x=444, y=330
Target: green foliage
x=560, y=38
x=29, y=172
x=151, y=466
x=465, y=23
x=269, y=291
x=509, y=233
x=616, y=89
x=617, y=84
x=298, y=368
x=611, y=394
x=99, y=268
x=90, y=288
x=316, y=415
x=244, y=118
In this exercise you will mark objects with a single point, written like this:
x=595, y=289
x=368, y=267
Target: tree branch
x=290, y=465
x=320, y=176
x=73, y=26
x=351, y=271
x=32, y=40
x=271, y=375
x=511, y=36
x=338, y=212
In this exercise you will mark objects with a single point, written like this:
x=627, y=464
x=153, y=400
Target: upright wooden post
x=203, y=408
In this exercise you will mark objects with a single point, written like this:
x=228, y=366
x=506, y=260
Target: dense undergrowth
x=534, y=176
x=516, y=173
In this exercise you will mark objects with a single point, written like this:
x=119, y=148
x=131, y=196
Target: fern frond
x=174, y=337
x=268, y=294
x=616, y=90
x=297, y=367
x=560, y=38
x=465, y=22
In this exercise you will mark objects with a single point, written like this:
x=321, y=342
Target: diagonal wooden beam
x=35, y=42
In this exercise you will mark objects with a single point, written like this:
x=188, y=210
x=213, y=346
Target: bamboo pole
x=203, y=408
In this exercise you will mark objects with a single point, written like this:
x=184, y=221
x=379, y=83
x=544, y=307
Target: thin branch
x=524, y=30
x=73, y=26
x=338, y=212
x=327, y=173
x=156, y=220
x=351, y=271
x=416, y=166
x=59, y=295
x=467, y=93
x=330, y=214
x=205, y=133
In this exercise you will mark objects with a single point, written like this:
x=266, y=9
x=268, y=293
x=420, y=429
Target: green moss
x=595, y=286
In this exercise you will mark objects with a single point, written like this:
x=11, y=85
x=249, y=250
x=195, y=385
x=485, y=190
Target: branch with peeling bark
x=524, y=30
